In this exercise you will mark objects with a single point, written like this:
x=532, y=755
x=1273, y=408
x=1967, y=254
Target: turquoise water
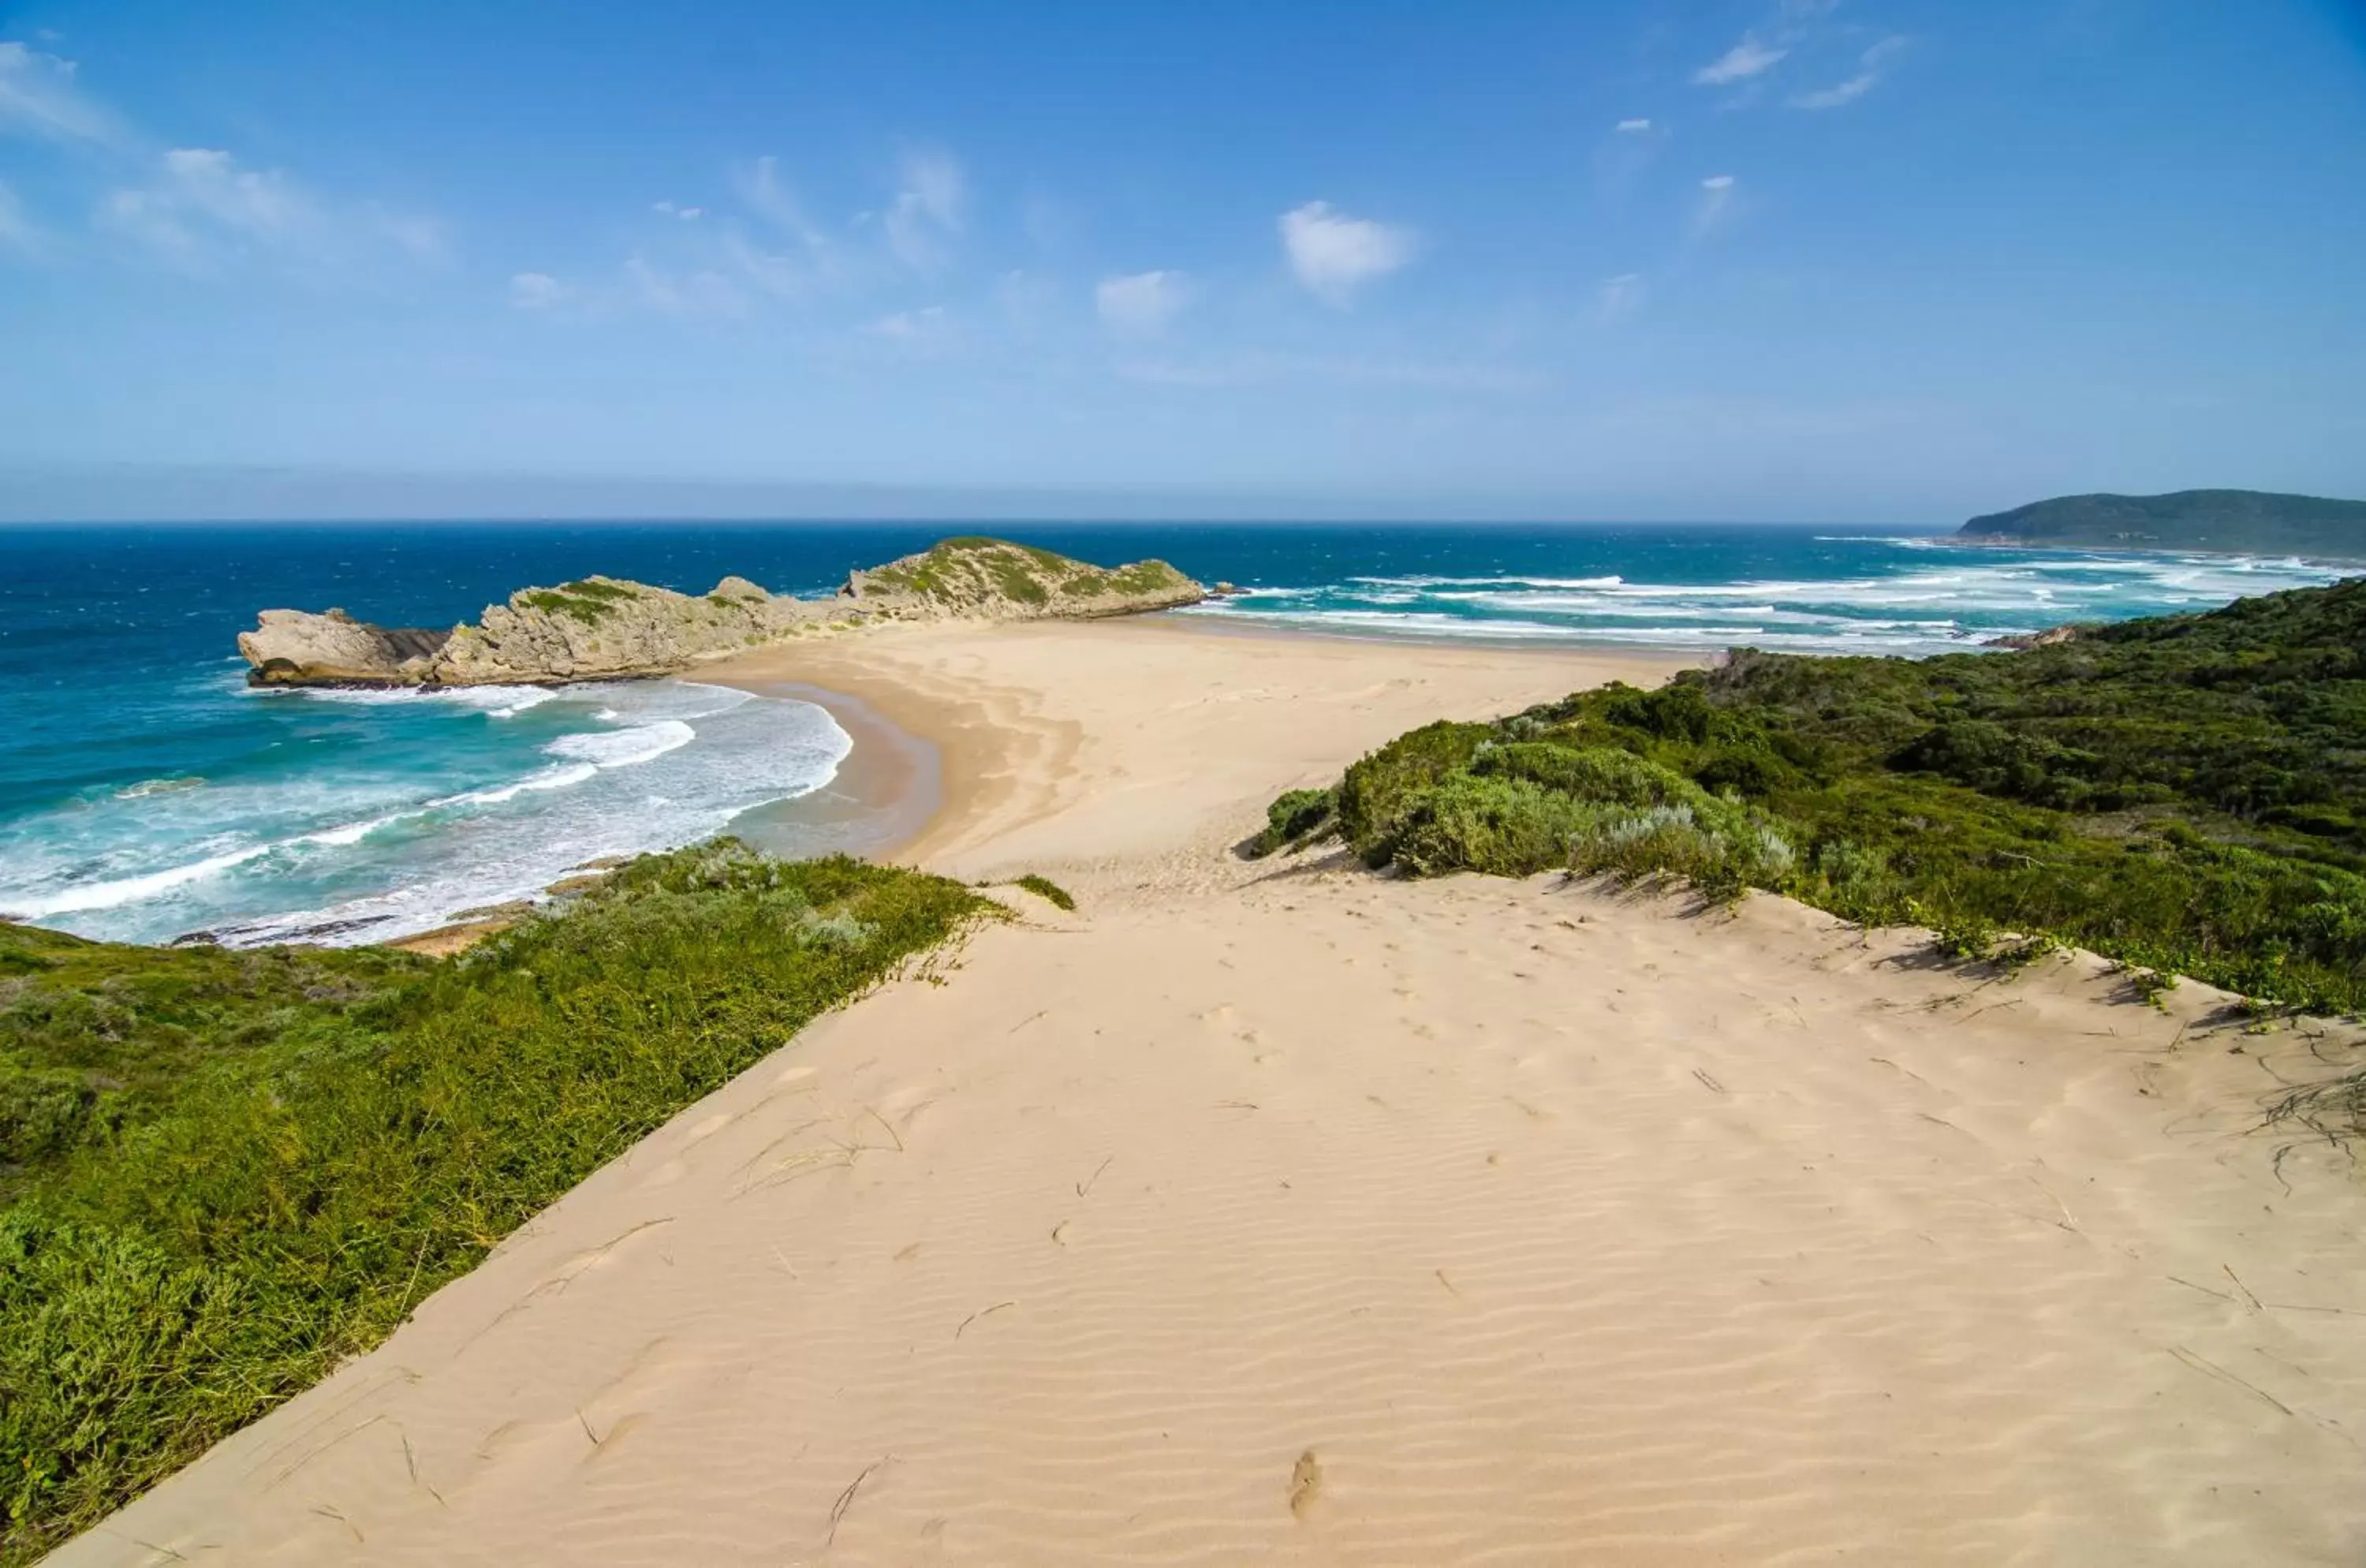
x=145, y=793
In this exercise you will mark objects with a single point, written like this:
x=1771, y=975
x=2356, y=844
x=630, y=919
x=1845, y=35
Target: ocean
x=147, y=794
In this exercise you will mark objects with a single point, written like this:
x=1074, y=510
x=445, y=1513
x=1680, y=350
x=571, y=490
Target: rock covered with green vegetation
x=223, y=1173
x=602, y=628
x=2186, y=794
x=2246, y=521
x=974, y=579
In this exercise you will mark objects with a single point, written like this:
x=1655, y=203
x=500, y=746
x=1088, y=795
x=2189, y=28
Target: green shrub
x=2184, y=794
x=284, y=1168
x=1378, y=788
x=1051, y=892
x=1294, y=815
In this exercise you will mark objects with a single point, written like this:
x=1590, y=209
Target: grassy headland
x=2185, y=793
x=223, y=1173
x=2245, y=519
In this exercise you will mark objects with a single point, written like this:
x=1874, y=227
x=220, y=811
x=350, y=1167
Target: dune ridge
x=1286, y=1212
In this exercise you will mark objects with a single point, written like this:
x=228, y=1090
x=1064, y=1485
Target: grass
x=973, y=568
x=590, y=601
x=2186, y=795
x=1051, y=892
x=229, y=1172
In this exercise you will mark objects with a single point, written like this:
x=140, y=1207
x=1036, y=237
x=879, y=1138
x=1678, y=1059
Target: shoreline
x=1008, y=760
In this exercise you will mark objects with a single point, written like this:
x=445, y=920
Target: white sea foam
x=496, y=702
x=147, y=787
x=326, y=846
x=123, y=890
x=625, y=747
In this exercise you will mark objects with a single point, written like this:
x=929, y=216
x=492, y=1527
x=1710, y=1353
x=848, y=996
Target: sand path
x=1286, y=1214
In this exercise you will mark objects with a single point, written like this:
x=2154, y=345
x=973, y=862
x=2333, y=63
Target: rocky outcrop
x=293, y=645
x=2046, y=639
x=992, y=579
x=603, y=629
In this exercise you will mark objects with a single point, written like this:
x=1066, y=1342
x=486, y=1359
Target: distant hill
x=2239, y=519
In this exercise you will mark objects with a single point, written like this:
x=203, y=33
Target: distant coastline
x=2216, y=522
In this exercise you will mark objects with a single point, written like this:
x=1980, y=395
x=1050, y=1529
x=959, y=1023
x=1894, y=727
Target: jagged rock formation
x=603, y=629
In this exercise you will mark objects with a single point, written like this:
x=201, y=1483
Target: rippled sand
x=1286, y=1214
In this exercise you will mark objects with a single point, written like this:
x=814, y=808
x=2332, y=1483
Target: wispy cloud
x=39, y=96
x=1716, y=201
x=198, y=208
x=1751, y=57
x=699, y=292
x=923, y=332
x=1260, y=367
x=1334, y=256
x=1637, y=126
x=1619, y=297
x=538, y=291
x=928, y=209
x=19, y=232
x=1141, y=303
x=809, y=261
x=1870, y=66
x=764, y=193
x=687, y=214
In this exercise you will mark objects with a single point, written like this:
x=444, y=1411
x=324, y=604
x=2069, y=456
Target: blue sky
x=1877, y=260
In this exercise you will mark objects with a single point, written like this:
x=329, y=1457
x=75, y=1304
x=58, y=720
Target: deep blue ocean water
x=146, y=792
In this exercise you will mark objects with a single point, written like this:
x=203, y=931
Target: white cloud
x=1142, y=302
x=912, y=328
x=201, y=206
x=17, y=232
x=927, y=209
x=202, y=210
x=1633, y=127
x=701, y=292
x=1716, y=196
x=1619, y=297
x=1744, y=59
x=793, y=273
x=537, y=291
x=422, y=238
x=1335, y=254
x=1260, y=367
x=1870, y=68
x=687, y=214
x=251, y=201
x=39, y=96
x=762, y=189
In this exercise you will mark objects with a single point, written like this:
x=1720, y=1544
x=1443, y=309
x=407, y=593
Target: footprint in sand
x=1305, y=1483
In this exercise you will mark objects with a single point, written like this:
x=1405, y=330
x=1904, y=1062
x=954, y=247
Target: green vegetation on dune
x=2185, y=793
x=227, y=1172
x=1051, y=892
x=589, y=601
x=2245, y=520
x=972, y=571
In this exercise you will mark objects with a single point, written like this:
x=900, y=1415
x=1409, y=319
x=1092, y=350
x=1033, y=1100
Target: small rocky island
x=603, y=629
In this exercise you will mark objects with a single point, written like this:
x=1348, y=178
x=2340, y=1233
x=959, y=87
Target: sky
x=1825, y=260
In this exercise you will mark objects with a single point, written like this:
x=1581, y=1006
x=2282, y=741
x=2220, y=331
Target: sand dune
x=1286, y=1214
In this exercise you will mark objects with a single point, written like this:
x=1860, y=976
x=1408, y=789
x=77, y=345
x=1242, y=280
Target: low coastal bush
x=1051, y=892
x=1298, y=816
x=227, y=1172
x=2187, y=794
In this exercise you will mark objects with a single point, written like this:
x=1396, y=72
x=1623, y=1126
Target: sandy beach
x=1285, y=1213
